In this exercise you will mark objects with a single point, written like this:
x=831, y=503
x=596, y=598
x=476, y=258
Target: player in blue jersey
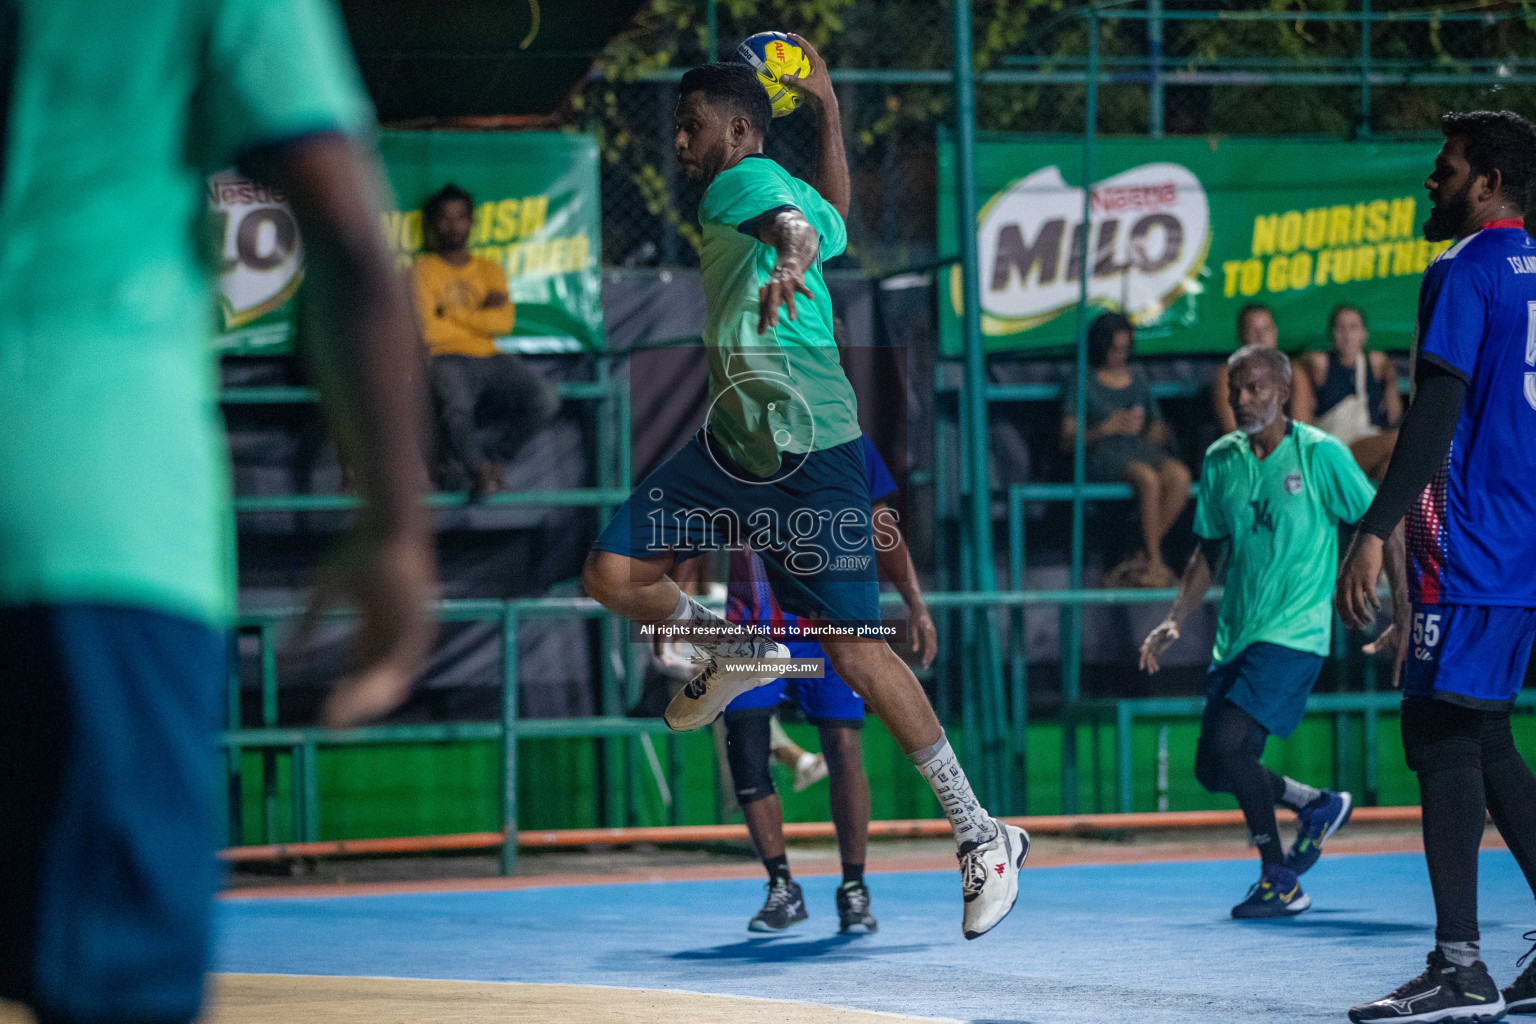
x=1462, y=470
x=829, y=704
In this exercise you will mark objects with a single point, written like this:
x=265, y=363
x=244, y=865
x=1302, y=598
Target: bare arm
x=1303, y=396
x=1219, y=403
x=832, y=179
x=1192, y=588
x=794, y=241
x=894, y=560
x=1392, y=398
x=365, y=357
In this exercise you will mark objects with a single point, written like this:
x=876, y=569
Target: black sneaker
x=1275, y=894
x=1521, y=996
x=1444, y=992
x=784, y=906
x=853, y=914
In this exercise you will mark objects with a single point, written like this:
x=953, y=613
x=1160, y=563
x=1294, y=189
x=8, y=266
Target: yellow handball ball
x=773, y=55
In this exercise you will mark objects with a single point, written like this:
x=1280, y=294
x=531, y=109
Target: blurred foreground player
x=1272, y=495
x=115, y=569
x=780, y=464
x=829, y=704
x=1462, y=470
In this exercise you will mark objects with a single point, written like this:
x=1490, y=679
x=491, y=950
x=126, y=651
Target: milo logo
x=260, y=254
x=1149, y=229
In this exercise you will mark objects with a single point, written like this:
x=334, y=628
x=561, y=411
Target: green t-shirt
x=1281, y=516
x=114, y=479
x=783, y=390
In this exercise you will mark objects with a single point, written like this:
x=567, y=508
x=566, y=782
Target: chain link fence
x=1326, y=73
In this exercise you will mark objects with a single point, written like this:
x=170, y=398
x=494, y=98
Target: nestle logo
x=1113, y=199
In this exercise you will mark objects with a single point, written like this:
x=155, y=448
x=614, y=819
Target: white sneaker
x=706, y=695
x=989, y=879
x=809, y=770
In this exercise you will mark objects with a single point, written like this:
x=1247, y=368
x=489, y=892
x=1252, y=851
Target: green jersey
x=1281, y=516
x=783, y=390
x=114, y=483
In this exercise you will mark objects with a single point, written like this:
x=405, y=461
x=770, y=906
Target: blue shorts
x=1473, y=655
x=1270, y=682
x=810, y=522
x=825, y=700
x=107, y=718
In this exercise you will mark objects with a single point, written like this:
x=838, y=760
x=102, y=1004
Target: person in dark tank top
x=1357, y=396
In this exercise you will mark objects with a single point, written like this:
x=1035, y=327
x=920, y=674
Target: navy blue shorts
x=810, y=522
x=107, y=721
x=827, y=699
x=1473, y=655
x=1270, y=682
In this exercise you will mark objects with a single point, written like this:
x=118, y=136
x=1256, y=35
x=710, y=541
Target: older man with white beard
x=1272, y=495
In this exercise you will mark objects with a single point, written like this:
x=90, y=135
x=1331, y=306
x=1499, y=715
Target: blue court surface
x=1144, y=943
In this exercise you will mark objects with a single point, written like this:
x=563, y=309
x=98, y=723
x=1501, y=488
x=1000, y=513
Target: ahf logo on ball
x=1151, y=231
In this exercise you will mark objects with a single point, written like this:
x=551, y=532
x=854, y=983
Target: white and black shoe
x=1445, y=992
x=853, y=916
x=1521, y=996
x=784, y=906
x=989, y=878
x=706, y=695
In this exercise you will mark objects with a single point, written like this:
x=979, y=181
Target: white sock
x=1298, y=794
x=971, y=823
x=1462, y=954
x=691, y=612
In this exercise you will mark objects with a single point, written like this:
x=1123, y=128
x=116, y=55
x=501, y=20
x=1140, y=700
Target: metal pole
x=1365, y=70
x=509, y=739
x=712, y=29
x=976, y=453
x=1072, y=668
x=1155, y=67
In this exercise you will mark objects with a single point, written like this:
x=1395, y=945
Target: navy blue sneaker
x=1320, y=819
x=1275, y=894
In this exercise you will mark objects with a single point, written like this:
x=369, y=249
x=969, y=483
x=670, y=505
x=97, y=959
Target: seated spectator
x=1256, y=326
x=464, y=305
x=1357, y=397
x=1127, y=439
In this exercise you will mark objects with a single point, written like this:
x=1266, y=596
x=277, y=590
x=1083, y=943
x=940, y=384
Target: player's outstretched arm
x=1192, y=587
x=366, y=361
x=894, y=560
x=794, y=241
x=832, y=179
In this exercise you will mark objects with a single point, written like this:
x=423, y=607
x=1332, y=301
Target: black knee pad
x=1208, y=769
x=747, y=751
x=1440, y=736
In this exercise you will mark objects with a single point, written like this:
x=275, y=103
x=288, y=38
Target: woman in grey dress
x=1127, y=440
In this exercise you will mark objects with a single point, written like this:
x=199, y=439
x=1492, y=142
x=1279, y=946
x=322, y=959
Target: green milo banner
x=1184, y=232
x=537, y=215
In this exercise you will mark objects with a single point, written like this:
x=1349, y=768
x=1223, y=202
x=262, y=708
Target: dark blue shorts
x=1270, y=682
x=1473, y=655
x=107, y=723
x=810, y=522
x=827, y=699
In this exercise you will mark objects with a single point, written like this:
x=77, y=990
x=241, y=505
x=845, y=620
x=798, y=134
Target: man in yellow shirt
x=464, y=306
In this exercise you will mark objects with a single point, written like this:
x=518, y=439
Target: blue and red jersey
x=749, y=597
x=1472, y=533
